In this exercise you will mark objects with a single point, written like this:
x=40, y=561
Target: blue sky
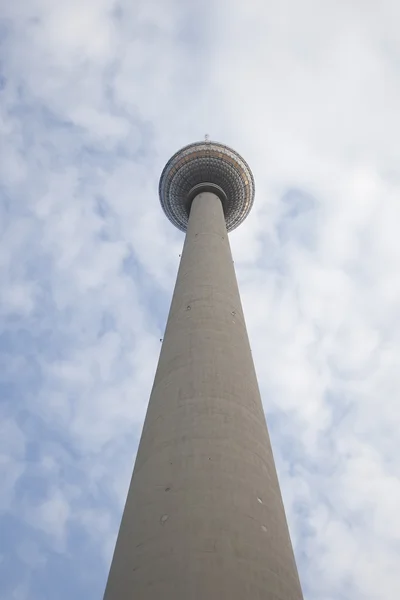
x=95, y=96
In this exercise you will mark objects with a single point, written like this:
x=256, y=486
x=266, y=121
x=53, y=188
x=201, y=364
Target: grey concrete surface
x=204, y=518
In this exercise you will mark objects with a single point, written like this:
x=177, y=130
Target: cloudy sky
x=95, y=96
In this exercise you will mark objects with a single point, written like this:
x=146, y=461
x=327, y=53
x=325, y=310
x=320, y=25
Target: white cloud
x=52, y=515
x=30, y=553
x=12, y=448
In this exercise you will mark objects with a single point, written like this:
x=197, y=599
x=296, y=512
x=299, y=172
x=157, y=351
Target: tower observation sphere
x=206, y=167
x=204, y=517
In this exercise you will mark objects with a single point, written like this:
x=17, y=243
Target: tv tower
x=204, y=518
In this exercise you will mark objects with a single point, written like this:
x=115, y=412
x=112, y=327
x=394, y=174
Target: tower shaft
x=204, y=518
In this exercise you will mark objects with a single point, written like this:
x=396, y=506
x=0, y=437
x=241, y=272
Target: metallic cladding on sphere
x=220, y=169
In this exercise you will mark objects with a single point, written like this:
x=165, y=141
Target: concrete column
x=204, y=518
